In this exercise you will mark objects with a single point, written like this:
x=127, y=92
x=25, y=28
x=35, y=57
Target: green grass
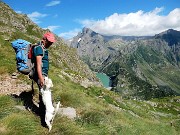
x=7, y=58
x=6, y=106
x=95, y=115
x=21, y=124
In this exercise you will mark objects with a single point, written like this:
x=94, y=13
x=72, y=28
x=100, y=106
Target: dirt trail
x=11, y=85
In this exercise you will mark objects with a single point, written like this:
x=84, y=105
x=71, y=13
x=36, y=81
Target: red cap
x=49, y=36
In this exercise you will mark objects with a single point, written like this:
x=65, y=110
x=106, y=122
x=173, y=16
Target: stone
x=69, y=112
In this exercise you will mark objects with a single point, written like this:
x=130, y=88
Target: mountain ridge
x=133, y=54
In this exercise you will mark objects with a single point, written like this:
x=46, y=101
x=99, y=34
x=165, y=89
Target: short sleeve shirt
x=39, y=51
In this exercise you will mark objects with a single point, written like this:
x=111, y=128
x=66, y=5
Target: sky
x=66, y=18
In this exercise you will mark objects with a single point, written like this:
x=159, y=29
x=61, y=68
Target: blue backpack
x=23, y=50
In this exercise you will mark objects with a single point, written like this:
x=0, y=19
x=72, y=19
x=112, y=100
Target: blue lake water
x=104, y=79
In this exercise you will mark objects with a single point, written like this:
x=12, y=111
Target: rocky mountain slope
x=14, y=26
x=139, y=67
x=95, y=48
x=91, y=46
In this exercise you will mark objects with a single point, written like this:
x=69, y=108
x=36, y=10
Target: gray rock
x=69, y=112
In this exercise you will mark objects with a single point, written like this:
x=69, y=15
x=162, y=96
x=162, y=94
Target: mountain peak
x=88, y=31
x=171, y=36
x=169, y=31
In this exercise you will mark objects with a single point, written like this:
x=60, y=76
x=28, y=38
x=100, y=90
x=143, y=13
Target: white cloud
x=53, y=3
x=69, y=34
x=34, y=16
x=19, y=12
x=138, y=24
x=52, y=28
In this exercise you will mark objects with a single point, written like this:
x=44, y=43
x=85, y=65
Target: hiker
x=33, y=60
x=41, y=67
x=41, y=58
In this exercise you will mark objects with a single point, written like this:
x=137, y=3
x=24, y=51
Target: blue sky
x=109, y=17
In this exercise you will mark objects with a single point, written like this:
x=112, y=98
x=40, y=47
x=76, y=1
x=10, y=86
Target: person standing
x=41, y=57
x=41, y=67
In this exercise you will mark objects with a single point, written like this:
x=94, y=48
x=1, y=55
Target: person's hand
x=41, y=81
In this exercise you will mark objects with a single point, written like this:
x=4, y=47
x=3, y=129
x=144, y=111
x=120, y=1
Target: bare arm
x=39, y=69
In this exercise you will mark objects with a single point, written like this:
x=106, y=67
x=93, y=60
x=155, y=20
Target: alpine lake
x=104, y=79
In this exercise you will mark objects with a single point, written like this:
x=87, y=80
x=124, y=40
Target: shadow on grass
x=27, y=98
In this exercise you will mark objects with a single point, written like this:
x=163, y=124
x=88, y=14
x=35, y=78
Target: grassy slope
x=96, y=115
x=106, y=115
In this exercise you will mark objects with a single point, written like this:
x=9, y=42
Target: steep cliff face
x=138, y=66
x=172, y=37
x=91, y=47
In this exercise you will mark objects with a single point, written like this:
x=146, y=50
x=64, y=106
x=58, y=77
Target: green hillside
x=99, y=111
x=149, y=71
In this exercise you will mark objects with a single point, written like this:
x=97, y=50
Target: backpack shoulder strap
x=32, y=60
x=36, y=45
